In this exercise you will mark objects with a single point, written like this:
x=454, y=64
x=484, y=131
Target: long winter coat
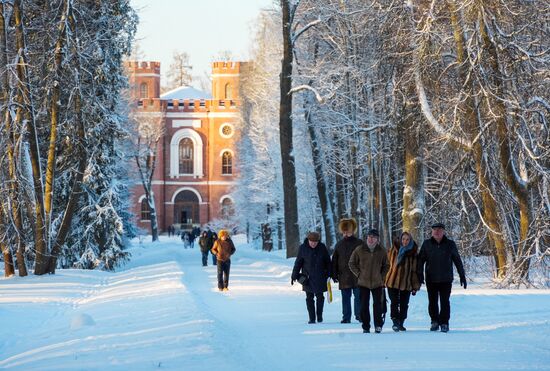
x=370, y=268
x=223, y=249
x=403, y=276
x=315, y=264
x=439, y=259
x=340, y=262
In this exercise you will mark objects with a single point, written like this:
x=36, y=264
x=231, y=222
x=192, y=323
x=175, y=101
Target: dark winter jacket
x=315, y=264
x=439, y=259
x=211, y=237
x=223, y=249
x=203, y=243
x=403, y=276
x=370, y=268
x=340, y=262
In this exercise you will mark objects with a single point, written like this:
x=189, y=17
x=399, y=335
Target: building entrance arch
x=186, y=209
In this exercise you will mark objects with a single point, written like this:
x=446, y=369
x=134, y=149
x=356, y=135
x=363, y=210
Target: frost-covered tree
x=62, y=71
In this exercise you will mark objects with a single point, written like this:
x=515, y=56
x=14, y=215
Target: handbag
x=303, y=279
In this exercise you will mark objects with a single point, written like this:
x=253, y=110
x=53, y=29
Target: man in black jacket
x=347, y=282
x=313, y=261
x=439, y=253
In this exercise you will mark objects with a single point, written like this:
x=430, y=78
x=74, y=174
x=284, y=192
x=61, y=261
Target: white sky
x=202, y=28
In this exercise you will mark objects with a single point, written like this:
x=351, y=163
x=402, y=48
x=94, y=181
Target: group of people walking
x=364, y=269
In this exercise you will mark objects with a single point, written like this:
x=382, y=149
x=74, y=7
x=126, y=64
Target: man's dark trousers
x=439, y=292
x=365, y=306
x=223, y=273
x=346, y=303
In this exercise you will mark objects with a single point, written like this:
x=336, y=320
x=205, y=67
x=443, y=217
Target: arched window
x=143, y=91
x=186, y=156
x=227, y=209
x=145, y=210
x=228, y=91
x=227, y=163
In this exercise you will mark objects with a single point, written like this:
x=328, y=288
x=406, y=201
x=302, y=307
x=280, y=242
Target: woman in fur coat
x=402, y=280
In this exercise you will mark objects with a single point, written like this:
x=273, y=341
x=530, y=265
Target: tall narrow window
x=145, y=210
x=227, y=163
x=186, y=156
x=143, y=91
x=228, y=91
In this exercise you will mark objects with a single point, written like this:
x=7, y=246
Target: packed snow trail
x=163, y=311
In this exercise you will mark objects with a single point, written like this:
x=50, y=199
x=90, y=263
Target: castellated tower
x=225, y=80
x=144, y=79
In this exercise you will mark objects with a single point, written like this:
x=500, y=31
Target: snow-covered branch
x=310, y=88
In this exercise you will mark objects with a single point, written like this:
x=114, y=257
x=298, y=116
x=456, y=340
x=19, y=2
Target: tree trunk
x=413, y=190
x=11, y=139
x=26, y=111
x=507, y=162
x=322, y=189
x=55, y=106
x=473, y=127
x=292, y=231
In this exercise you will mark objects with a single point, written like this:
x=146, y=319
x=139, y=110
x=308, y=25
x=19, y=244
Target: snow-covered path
x=163, y=311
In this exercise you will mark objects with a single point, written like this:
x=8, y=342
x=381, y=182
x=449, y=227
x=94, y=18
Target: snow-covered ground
x=163, y=311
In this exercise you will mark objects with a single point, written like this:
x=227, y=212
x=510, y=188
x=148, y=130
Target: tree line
x=400, y=114
x=63, y=184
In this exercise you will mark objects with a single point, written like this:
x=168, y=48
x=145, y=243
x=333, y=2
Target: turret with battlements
x=144, y=79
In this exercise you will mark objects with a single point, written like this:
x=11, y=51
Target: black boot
x=396, y=324
x=401, y=328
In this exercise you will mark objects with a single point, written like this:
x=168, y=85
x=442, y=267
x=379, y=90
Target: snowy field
x=163, y=311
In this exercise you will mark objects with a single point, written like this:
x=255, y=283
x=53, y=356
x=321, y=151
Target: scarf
x=403, y=250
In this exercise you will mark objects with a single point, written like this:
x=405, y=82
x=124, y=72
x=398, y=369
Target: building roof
x=185, y=92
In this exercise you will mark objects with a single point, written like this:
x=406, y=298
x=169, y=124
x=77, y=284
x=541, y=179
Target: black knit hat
x=373, y=232
x=438, y=225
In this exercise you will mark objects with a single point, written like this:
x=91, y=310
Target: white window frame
x=197, y=153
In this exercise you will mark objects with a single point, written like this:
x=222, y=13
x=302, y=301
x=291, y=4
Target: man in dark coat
x=439, y=253
x=313, y=261
x=211, y=237
x=347, y=282
x=369, y=263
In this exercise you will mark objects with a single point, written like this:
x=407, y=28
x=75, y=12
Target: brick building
x=196, y=158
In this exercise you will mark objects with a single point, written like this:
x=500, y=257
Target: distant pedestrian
x=347, y=282
x=439, y=253
x=313, y=263
x=191, y=240
x=402, y=279
x=210, y=239
x=203, y=243
x=185, y=237
x=170, y=231
x=223, y=249
x=369, y=263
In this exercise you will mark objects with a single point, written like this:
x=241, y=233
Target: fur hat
x=347, y=225
x=314, y=236
x=223, y=232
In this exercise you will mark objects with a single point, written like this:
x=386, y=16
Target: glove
x=413, y=292
x=292, y=281
x=463, y=281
